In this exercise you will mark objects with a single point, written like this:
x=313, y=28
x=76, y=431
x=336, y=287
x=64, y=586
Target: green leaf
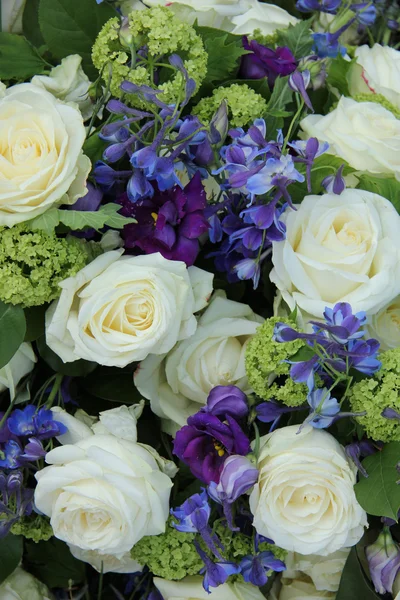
x=53, y=563
x=106, y=215
x=30, y=23
x=338, y=74
x=11, y=548
x=112, y=384
x=224, y=49
x=354, y=584
x=297, y=38
x=94, y=148
x=379, y=493
x=281, y=96
x=385, y=186
x=18, y=59
x=12, y=331
x=71, y=27
x=34, y=322
x=79, y=368
x=48, y=221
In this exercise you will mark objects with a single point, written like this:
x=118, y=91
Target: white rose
x=191, y=588
x=377, y=71
x=41, y=162
x=178, y=384
x=364, y=134
x=20, y=365
x=384, y=326
x=324, y=571
x=117, y=310
x=237, y=16
x=11, y=15
x=21, y=585
x=103, y=494
x=266, y=17
x=69, y=83
x=106, y=563
x=339, y=249
x=303, y=590
x=304, y=499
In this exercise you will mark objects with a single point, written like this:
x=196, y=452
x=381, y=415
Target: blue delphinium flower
x=255, y=568
x=215, y=573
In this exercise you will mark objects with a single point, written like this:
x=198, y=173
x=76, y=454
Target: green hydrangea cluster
x=375, y=394
x=163, y=34
x=378, y=99
x=35, y=528
x=270, y=40
x=264, y=358
x=32, y=264
x=173, y=556
x=244, y=105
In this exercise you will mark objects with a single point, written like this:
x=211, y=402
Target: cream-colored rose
x=303, y=590
x=384, y=326
x=69, y=83
x=339, y=249
x=365, y=134
x=304, y=499
x=103, y=494
x=21, y=585
x=20, y=365
x=325, y=572
x=178, y=384
x=118, y=310
x=191, y=588
x=41, y=159
x=237, y=16
x=377, y=71
x=106, y=563
x=11, y=15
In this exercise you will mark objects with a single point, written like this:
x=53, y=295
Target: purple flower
x=335, y=184
x=299, y=82
x=308, y=151
x=35, y=422
x=169, y=222
x=10, y=455
x=324, y=408
x=255, y=568
x=266, y=62
x=326, y=45
x=227, y=400
x=272, y=411
x=206, y=442
x=90, y=201
x=384, y=562
x=341, y=324
x=326, y=6
x=238, y=475
x=33, y=450
x=356, y=450
x=15, y=500
x=215, y=574
x=219, y=124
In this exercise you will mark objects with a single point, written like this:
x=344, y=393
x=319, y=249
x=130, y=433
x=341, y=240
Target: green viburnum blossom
x=374, y=394
x=33, y=263
x=36, y=528
x=173, y=556
x=378, y=99
x=264, y=360
x=244, y=105
x=163, y=34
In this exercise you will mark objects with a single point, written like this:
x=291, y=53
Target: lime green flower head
x=264, y=362
x=33, y=263
x=379, y=99
x=163, y=34
x=374, y=394
x=244, y=105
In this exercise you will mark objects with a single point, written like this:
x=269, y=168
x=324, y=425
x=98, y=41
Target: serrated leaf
x=18, y=59
x=388, y=187
x=30, y=23
x=353, y=583
x=71, y=27
x=114, y=219
x=12, y=331
x=47, y=222
x=297, y=38
x=106, y=215
x=224, y=49
x=379, y=493
x=11, y=548
x=338, y=74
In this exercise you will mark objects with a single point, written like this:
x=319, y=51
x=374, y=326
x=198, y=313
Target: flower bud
x=219, y=124
x=237, y=477
x=227, y=400
x=384, y=562
x=125, y=34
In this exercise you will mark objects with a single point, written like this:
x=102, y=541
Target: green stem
x=100, y=591
x=54, y=390
x=292, y=124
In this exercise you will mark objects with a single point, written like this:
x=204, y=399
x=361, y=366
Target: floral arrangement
x=199, y=300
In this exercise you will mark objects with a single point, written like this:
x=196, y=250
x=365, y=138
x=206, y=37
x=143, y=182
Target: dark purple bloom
x=308, y=151
x=255, y=568
x=227, y=400
x=215, y=574
x=170, y=222
x=91, y=201
x=266, y=62
x=206, y=442
x=107, y=177
x=299, y=82
x=384, y=562
x=356, y=450
x=335, y=184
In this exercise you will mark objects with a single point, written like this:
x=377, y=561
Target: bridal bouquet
x=199, y=300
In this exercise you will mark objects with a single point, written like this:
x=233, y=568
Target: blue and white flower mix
x=199, y=300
